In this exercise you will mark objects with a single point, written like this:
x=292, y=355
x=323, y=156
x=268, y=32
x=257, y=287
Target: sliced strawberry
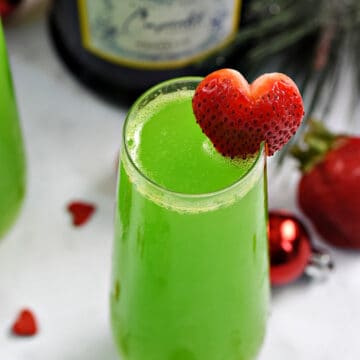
x=81, y=212
x=25, y=324
x=237, y=116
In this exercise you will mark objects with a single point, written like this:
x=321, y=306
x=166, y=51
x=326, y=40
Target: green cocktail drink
x=190, y=266
x=12, y=167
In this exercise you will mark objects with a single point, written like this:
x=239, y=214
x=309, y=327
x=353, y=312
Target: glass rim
x=197, y=196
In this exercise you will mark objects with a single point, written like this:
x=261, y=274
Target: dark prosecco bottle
x=122, y=47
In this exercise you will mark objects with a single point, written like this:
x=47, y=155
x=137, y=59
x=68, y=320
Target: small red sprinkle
x=5, y=9
x=81, y=212
x=25, y=324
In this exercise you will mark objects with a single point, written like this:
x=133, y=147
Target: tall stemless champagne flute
x=190, y=264
x=12, y=164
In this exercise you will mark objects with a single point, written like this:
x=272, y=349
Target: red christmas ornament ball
x=290, y=248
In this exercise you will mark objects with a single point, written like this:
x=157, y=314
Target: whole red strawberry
x=237, y=116
x=329, y=190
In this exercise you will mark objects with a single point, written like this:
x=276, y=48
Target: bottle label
x=157, y=33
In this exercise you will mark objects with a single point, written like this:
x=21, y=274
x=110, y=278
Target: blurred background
x=76, y=68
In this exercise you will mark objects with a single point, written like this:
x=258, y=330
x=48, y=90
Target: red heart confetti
x=25, y=324
x=81, y=212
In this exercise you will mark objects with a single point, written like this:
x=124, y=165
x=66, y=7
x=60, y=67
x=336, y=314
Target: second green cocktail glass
x=12, y=163
x=190, y=264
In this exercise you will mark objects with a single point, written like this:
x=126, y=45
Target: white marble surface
x=63, y=273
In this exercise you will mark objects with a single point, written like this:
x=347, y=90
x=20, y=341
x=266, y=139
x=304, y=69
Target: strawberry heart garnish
x=237, y=116
x=25, y=324
x=81, y=212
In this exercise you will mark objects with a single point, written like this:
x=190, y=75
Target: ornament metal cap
x=320, y=265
